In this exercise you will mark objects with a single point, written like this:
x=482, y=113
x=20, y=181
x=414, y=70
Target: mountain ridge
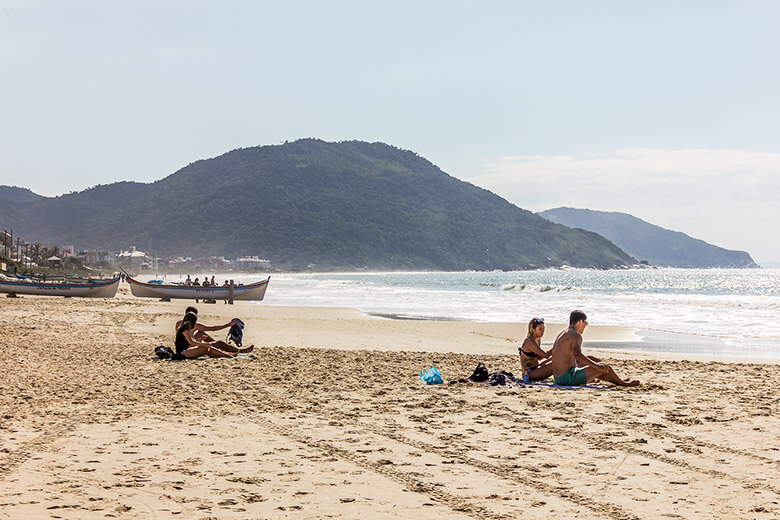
x=338, y=205
x=645, y=241
x=18, y=194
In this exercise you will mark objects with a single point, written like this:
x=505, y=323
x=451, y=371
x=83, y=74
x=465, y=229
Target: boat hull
x=104, y=289
x=255, y=291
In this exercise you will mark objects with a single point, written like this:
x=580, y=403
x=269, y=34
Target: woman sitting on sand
x=199, y=332
x=533, y=359
x=188, y=347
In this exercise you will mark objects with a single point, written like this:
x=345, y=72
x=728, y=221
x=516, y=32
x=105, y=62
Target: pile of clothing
x=483, y=376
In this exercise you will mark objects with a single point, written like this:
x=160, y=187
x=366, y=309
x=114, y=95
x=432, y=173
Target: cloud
x=722, y=196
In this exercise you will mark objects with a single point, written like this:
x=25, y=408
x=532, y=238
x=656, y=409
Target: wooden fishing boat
x=252, y=291
x=88, y=289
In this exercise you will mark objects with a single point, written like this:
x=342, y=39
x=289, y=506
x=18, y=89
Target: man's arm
x=205, y=328
x=594, y=361
x=581, y=358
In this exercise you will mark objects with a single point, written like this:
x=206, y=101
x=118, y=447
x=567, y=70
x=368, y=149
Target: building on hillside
x=136, y=259
x=225, y=264
x=180, y=262
x=95, y=257
x=253, y=262
x=211, y=263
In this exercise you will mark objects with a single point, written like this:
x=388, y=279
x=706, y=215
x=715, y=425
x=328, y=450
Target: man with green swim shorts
x=573, y=368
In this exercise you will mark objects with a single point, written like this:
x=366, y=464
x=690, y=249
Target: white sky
x=669, y=111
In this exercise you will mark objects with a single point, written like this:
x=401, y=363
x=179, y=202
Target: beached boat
x=88, y=289
x=252, y=291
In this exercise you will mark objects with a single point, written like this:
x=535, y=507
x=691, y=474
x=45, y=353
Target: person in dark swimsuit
x=199, y=333
x=188, y=348
x=533, y=359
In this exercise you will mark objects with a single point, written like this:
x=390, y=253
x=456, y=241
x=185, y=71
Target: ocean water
x=719, y=312
x=715, y=312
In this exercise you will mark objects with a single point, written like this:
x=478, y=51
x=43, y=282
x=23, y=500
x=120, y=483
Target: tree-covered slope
x=15, y=194
x=337, y=205
x=645, y=241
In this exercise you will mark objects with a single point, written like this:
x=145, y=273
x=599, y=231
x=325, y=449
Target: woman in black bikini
x=533, y=359
x=188, y=348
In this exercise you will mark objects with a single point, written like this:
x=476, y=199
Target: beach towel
x=550, y=384
x=482, y=376
x=168, y=354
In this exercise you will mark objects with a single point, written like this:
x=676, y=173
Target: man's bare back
x=563, y=357
x=571, y=366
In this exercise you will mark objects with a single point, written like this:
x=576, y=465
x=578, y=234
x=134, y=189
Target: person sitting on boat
x=199, y=333
x=188, y=281
x=197, y=281
x=533, y=359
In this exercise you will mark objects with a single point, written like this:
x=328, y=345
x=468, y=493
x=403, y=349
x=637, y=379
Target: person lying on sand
x=533, y=360
x=189, y=348
x=573, y=368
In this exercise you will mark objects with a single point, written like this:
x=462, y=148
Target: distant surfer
x=573, y=368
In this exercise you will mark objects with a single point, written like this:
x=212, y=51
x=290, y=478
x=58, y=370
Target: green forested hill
x=661, y=247
x=337, y=205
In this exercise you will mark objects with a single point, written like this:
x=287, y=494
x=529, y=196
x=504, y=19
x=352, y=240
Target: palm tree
x=36, y=252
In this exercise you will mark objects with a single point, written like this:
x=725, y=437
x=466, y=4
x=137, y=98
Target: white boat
x=252, y=291
x=96, y=289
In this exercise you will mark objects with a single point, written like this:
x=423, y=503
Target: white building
x=253, y=262
x=137, y=259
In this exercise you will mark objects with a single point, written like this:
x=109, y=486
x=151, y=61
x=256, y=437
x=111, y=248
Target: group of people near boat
x=565, y=361
x=192, y=339
x=205, y=283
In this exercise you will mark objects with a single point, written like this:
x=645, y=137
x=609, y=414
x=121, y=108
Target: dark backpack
x=236, y=333
x=164, y=352
x=480, y=373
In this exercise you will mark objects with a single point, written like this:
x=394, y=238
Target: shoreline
x=606, y=339
x=694, y=314
x=621, y=341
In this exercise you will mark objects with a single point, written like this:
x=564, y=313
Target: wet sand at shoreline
x=332, y=421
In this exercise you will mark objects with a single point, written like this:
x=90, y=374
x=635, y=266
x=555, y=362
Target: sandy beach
x=331, y=420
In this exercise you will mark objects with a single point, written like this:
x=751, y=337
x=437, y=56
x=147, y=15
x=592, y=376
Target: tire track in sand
x=505, y=472
x=43, y=442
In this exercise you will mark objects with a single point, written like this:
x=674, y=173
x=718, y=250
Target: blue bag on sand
x=431, y=376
